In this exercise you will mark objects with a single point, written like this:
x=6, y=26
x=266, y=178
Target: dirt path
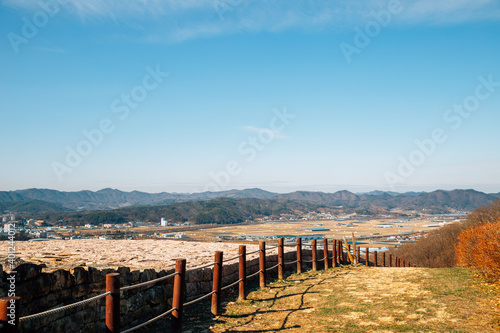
x=364, y=299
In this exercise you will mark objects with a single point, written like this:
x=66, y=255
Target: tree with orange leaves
x=479, y=248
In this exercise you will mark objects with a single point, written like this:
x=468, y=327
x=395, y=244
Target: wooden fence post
x=262, y=264
x=325, y=252
x=281, y=260
x=217, y=283
x=242, y=273
x=383, y=259
x=340, y=252
x=334, y=253
x=178, y=295
x=314, y=254
x=113, y=303
x=9, y=314
x=299, y=255
x=367, y=256
x=390, y=260
x=358, y=254
x=375, y=258
x=348, y=250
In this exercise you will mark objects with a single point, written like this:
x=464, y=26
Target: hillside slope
x=361, y=300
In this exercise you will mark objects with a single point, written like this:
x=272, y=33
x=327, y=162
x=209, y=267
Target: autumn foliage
x=440, y=247
x=479, y=248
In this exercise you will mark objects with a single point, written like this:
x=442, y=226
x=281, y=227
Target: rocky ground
x=136, y=254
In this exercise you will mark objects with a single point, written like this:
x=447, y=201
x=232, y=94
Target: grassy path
x=360, y=299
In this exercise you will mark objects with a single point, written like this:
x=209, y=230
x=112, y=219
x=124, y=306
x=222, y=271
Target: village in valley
x=380, y=232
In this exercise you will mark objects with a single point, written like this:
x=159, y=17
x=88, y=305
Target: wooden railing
x=9, y=306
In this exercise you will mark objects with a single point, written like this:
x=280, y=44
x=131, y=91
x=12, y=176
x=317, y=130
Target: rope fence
x=272, y=267
x=148, y=282
x=200, y=267
x=199, y=298
x=230, y=259
x=63, y=308
x=252, y=275
x=341, y=254
x=150, y=321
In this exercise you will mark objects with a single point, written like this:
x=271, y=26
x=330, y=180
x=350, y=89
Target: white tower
x=164, y=223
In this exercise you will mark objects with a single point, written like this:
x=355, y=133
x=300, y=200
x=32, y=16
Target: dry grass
x=361, y=299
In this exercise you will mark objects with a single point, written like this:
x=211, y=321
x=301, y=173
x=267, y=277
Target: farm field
x=368, y=230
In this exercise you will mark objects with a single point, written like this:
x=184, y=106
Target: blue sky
x=285, y=96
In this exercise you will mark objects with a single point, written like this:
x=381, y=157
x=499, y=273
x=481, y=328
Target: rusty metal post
x=217, y=283
x=358, y=254
x=178, y=295
x=383, y=259
x=334, y=253
x=390, y=260
x=242, y=273
x=325, y=252
x=367, y=256
x=262, y=264
x=314, y=254
x=113, y=303
x=9, y=314
x=375, y=258
x=281, y=258
x=299, y=255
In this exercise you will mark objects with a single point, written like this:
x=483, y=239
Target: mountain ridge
x=107, y=198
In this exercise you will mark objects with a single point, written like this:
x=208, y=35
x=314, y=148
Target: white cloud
x=176, y=20
x=275, y=134
x=450, y=11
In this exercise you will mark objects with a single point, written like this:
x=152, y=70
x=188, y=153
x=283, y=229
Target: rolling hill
x=55, y=201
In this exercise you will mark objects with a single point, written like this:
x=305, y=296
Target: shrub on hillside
x=437, y=249
x=479, y=248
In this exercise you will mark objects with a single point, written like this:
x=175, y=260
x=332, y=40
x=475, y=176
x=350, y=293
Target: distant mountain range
x=111, y=199
x=45, y=200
